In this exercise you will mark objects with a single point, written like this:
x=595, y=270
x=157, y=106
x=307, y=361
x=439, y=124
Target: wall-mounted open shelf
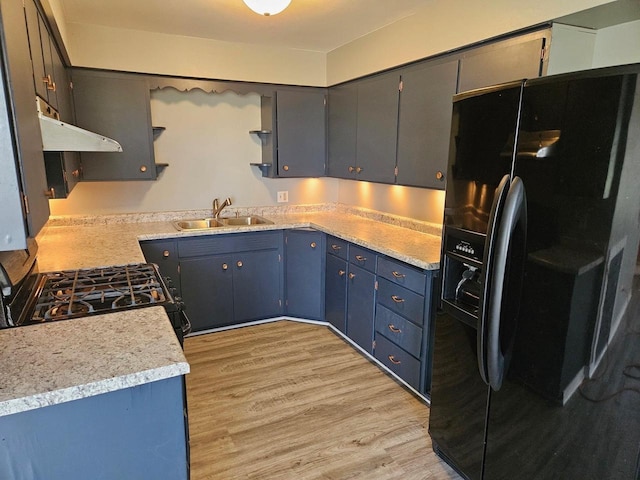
x=264, y=168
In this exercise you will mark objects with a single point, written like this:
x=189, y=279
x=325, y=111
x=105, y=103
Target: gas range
x=30, y=298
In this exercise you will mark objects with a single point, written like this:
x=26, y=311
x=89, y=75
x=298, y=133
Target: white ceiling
x=318, y=25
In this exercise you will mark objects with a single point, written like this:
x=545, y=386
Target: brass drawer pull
x=165, y=254
x=335, y=247
x=225, y=266
x=314, y=244
x=398, y=274
x=360, y=258
x=352, y=276
x=351, y=169
x=394, y=329
x=341, y=272
x=239, y=264
x=359, y=169
x=393, y=360
x=397, y=299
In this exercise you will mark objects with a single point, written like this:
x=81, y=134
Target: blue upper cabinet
x=343, y=118
x=293, y=132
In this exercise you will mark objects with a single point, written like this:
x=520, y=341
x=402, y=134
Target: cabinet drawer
x=398, y=361
x=399, y=330
x=402, y=274
x=337, y=247
x=401, y=300
x=363, y=258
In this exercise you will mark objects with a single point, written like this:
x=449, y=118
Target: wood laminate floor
x=289, y=400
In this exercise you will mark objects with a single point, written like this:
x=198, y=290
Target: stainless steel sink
x=208, y=223
x=247, y=220
x=200, y=224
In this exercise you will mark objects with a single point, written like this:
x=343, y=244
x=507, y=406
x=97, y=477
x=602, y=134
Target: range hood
x=58, y=136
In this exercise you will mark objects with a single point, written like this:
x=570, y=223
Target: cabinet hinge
x=279, y=258
x=70, y=85
x=543, y=52
x=395, y=171
x=280, y=303
x=375, y=287
x=25, y=204
x=325, y=100
x=373, y=345
x=178, y=269
x=286, y=240
x=400, y=86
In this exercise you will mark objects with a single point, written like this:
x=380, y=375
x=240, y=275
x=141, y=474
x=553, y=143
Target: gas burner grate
x=77, y=293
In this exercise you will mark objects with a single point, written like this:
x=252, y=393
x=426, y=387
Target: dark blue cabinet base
x=136, y=433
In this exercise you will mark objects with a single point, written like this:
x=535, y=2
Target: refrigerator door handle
x=488, y=261
x=514, y=214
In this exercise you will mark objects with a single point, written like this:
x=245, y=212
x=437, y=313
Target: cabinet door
x=47, y=57
x=207, y=290
x=164, y=254
x=336, y=292
x=360, y=306
x=118, y=106
x=301, y=130
x=503, y=62
x=35, y=47
x=23, y=171
x=256, y=285
x=343, y=115
x=425, y=123
x=305, y=274
x=377, y=128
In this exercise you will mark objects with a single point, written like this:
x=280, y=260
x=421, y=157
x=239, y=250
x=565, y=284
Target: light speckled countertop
x=63, y=361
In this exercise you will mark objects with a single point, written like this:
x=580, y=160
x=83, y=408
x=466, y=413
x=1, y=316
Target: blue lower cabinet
x=336, y=292
x=131, y=434
x=360, y=306
x=257, y=291
x=404, y=365
x=207, y=291
x=304, y=274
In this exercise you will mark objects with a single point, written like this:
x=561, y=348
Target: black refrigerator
x=536, y=359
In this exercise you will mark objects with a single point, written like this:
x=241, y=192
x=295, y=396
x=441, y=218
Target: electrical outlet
x=283, y=197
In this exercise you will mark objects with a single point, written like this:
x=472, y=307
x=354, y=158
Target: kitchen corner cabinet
x=293, y=133
x=343, y=117
x=304, y=273
x=24, y=185
x=425, y=122
x=116, y=105
x=231, y=279
x=363, y=124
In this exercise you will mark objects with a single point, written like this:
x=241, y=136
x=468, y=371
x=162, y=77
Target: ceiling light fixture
x=267, y=7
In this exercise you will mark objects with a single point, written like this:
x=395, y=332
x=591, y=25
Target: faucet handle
x=215, y=203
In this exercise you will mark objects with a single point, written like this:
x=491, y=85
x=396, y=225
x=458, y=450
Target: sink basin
x=201, y=224
x=247, y=220
x=208, y=223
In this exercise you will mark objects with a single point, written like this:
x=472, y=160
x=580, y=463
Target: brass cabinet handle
x=398, y=274
x=352, y=276
x=165, y=254
x=239, y=264
x=335, y=247
x=143, y=168
x=341, y=272
x=351, y=169
x=360, y=258
x=393, y=360
x=47, y=80
x=286, y=168
x=397, y=299
x=439, y=175
x=313, y=245
x=394, y=329
x=359, y=169
x=225, y=266
x=51, y=193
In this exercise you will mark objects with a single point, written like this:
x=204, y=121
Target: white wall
x=208, y=147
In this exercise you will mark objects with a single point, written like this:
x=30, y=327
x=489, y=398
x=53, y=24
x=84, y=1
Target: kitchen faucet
x=218, y=208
